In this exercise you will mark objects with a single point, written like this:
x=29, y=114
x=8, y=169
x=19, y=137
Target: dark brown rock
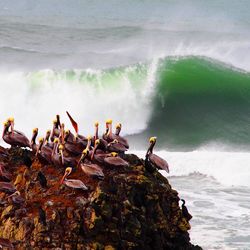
x=132, y=208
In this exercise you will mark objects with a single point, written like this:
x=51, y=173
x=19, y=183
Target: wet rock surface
x=132, y=208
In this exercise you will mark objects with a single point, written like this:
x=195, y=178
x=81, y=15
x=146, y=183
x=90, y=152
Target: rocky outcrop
x=132, y=208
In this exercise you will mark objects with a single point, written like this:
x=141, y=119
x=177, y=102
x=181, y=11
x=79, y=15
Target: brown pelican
x=115, y=161
x=116, y=146
x=7, y=187
x=44, y=151
x=56, y=128
x=4, y=175
x=102, y=144
x=16, y=198
x=111, y=136
x=154, y=159
x=33, y=140
x=14, y=138
x=46, y=140
x=67, y=161
x=69, y=137
x=118, y=128
x=88, y=168
x=73, y=183
x=56, y=156
x=72, y=145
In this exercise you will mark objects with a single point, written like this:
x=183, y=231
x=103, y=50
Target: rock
x=132, y=208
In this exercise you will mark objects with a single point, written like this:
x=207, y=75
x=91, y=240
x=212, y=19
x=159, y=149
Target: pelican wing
x=92, y=170
x=116, y=162
x=73, y=183
x=159, y=162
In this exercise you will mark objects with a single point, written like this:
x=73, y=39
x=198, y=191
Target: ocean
x=178, y=70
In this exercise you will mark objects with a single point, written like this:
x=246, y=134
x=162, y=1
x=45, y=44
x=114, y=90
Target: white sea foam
x=228, y=168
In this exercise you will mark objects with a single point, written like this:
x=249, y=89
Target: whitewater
x=176, y=70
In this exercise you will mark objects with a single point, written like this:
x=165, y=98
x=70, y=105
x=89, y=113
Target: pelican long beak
x=93, y=152
x=39, y=147
x=63, y=178
x=12, y=127
x=61, y=152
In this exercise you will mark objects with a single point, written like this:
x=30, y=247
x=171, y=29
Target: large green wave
x=199, y=101
x=194, y=101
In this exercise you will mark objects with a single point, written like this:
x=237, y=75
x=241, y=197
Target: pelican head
x=83, y=156
x=152, y=139
x=113, y=154
x=109, y=121
x=97, y=142
x=67, y=172
x=56, y=140
x=35, y=130
x=96, y=124
x=118, y=125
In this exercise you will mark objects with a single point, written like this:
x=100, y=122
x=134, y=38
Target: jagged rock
x=132, y=208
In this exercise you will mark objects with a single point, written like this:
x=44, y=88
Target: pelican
x=56, y=128
x=44, y=151
x=33, y=140
x=46, y=140
x=72, y=145
x=73, y=183
x=14, y=138
x=66, y=161
x=111, y=137
x=102, y=144
x=116, y=146
x=90, y=169
x=115, y=161
x=154, y=159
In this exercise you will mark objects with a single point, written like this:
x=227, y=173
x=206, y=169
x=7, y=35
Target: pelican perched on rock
x=56, y=128
x=111, y=137
x=44, y=151
x=116, y=146
x=33, y=140
x=14, y=137
x=115, y=161
x=154, y=159
x=89, y=168
x=73, y=183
